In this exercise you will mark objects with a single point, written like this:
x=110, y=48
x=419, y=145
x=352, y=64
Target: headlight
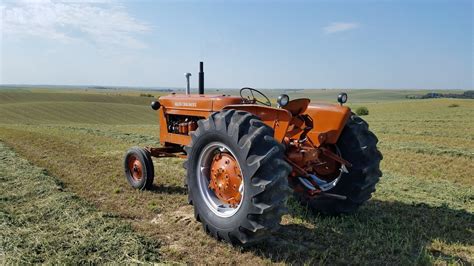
x=283, y=100
x=155, y=105
x=342, y=98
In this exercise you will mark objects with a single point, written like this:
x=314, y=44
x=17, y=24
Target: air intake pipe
x=188, y=88
x=201, y=78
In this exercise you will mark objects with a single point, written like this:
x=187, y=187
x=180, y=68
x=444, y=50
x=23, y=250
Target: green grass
x=43, y=223
x=422, y=212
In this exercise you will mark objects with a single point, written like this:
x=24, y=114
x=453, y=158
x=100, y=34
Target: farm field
x=421, y=213
x=42, y=223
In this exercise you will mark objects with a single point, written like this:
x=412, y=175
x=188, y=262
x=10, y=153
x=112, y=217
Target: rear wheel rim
x=135, y=167
x=210, y=161
x=330, y=184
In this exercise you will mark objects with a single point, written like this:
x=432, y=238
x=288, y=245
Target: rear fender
x=328, y=122
x=278, y=119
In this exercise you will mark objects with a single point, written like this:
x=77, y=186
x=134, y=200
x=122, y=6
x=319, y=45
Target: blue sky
x=262, y=44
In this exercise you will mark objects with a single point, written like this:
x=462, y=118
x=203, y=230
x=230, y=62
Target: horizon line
x=213, y=88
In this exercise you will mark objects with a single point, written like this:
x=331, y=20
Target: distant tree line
x=128, y=88
x=464, y=95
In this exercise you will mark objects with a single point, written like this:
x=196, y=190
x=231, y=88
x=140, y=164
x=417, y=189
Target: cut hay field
x=64, y=197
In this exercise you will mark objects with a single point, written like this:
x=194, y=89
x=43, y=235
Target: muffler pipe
x=201, y=78
x=188, y=88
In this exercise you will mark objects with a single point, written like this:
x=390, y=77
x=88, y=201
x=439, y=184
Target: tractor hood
x=197, y=102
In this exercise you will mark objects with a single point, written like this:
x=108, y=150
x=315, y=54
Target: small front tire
x=139, y=170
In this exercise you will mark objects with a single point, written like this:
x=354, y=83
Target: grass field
x=41, y=223
x=422, y=212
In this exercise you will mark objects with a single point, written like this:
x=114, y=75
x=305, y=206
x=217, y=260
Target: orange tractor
x=244, y=157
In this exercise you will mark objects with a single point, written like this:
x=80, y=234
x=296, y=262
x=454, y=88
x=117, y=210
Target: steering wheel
x=254, y=99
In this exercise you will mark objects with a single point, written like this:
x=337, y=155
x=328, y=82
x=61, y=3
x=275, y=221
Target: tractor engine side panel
x=172, y=125
x=179, y=112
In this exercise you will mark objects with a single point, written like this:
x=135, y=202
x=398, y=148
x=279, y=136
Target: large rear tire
x=358, y=145
x=242, y=136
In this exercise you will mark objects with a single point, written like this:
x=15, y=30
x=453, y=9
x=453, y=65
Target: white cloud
x=340, y=26
x=101, y=22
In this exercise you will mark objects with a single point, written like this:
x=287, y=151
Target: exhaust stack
x=201, y=78
x=188, y=89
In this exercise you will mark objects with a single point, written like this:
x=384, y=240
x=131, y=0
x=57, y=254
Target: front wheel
x=236, y=176
x=138, y=168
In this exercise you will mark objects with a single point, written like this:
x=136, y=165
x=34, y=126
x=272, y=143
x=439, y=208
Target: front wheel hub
x=226, y=179
x=135, y=167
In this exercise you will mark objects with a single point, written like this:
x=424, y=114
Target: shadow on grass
x=163, y=189
x=380, y=233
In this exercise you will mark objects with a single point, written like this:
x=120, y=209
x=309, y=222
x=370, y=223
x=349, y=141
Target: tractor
x=244, y=158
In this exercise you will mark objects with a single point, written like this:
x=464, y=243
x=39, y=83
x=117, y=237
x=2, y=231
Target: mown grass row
x=42, y=223
x=75, y=112
x=15, y=97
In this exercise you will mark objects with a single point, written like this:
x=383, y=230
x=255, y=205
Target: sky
x=418, y=44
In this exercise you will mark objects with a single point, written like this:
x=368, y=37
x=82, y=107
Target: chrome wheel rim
x=203, y=178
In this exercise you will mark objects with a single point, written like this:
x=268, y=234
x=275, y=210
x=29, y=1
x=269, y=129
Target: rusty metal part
x=325, y=167
x=323, y=160
x=317, y=169
x=183, y=128
x=297, y=168
x=327, y=152
x=135, y=167
x=192, y=125
x=226, y=179
x=301, y=154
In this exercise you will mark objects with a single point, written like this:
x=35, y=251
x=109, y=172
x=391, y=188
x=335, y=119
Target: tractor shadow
x=381, y=232
x=168, y=189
